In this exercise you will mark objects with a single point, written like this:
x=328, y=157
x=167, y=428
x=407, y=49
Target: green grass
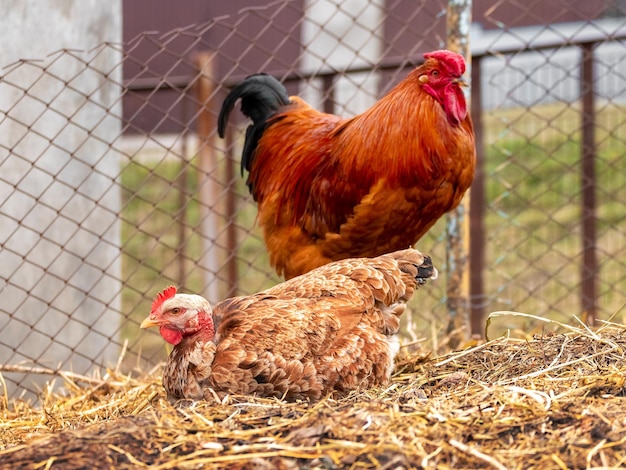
x=163, y=242
x=532, y=227
x=533, y=220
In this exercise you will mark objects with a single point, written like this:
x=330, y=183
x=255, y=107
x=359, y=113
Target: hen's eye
x=175, y=311
x=435, y=73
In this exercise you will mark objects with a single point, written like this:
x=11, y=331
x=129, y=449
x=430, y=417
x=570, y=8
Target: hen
x=329, y=188
x=330, y=330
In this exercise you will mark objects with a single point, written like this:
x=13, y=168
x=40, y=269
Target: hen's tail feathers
x=416, y=264
x=426, y=271
x=261, y=96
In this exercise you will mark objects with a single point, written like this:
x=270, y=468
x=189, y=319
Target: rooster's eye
x=435, y=73
x=175, y=311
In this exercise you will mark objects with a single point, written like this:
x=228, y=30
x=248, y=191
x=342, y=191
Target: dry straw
x=555, y=400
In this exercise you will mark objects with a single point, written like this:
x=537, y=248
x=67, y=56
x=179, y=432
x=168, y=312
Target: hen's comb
x=161, y=297
x=455, y=63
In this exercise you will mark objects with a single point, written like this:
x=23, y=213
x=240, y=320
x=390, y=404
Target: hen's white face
x=182, y=315
x=182, y=310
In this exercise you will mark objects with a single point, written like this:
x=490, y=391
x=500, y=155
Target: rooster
x=331, y=330
x=329, y=188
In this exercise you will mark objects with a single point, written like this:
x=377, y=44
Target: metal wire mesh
x=113, y=183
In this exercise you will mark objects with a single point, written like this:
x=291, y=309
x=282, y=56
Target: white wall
x=551, y=75
x=59, y=232
x=339, y=35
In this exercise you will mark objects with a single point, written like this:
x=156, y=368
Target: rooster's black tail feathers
x=261, y=96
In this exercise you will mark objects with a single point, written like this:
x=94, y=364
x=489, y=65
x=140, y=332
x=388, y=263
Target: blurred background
x=114, y=184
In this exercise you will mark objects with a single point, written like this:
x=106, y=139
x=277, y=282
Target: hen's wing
x=269, y=346
x=327, y=330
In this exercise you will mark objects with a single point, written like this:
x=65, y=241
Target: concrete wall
x=553, y=75
x=59, y=231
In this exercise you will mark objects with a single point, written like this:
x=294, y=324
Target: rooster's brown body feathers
x=329, y=188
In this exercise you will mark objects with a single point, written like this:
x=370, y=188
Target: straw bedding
x=551, y=401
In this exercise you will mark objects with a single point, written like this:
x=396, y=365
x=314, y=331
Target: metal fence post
x=181, y=184
x=208, y=190
x=459, y=20
x=589, y=268
x=232, y=275
x=477, y=205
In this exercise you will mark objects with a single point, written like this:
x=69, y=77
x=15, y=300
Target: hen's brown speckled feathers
x=330, y=330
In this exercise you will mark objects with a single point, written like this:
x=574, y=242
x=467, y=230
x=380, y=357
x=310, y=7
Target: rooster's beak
x=461, y=81
x=148, y=323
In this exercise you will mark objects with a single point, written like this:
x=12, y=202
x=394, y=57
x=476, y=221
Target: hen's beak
x=148, y=323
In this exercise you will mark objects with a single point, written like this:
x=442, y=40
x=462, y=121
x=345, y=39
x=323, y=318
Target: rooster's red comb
x=161, y=297
x=455, y=63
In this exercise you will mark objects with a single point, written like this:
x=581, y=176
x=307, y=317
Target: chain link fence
x=113, y=183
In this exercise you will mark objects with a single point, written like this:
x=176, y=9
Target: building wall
x=278, y=37
x=211, y=26
x=59, y=232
